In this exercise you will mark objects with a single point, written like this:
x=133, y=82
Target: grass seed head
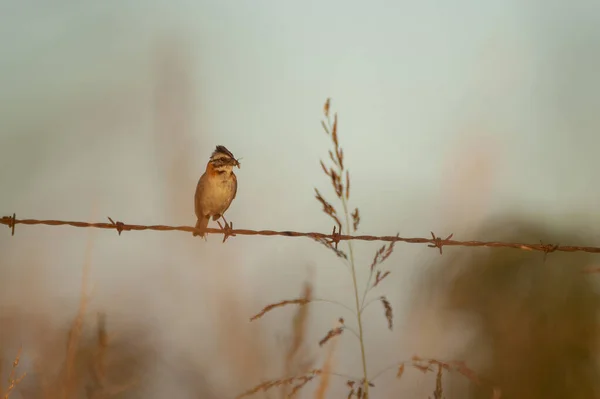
x=355, y=219
x=334, y=332
x=326, y=107
x=379, y=277
x=268, y=308
x=400, y=371
x=388, y=311
x=299, y=382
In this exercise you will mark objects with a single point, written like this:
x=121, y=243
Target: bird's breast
x=217, y=192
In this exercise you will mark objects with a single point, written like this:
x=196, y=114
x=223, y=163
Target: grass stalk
x=357, y=303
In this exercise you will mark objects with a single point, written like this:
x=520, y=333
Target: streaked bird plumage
x=216, y=188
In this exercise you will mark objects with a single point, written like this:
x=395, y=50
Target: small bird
x=216, y=188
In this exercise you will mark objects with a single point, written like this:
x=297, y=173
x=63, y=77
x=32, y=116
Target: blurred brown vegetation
x=535, y=316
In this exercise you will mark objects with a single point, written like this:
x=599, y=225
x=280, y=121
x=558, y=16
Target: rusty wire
x=228, y=231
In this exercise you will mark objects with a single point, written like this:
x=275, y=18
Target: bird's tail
x=201, y=225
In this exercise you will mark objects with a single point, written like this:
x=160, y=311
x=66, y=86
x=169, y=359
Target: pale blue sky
x=423, y=89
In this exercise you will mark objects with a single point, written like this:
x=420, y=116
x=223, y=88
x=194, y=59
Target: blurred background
x=473, y=118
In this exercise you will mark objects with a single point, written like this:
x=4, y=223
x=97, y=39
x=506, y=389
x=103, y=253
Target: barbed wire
x=334, y=237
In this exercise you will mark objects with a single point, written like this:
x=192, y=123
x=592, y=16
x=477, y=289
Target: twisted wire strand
x=228, y=231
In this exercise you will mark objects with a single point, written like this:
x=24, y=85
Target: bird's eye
x=221, y=161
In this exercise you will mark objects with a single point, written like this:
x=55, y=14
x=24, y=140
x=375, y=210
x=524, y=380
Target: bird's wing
x=234, y=186
x=198, y=196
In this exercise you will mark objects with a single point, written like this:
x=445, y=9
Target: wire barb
x=335, y=237
x=548, y=248
x=228, y=231
x=119, y=226
x=11, y=222
x=438, y=242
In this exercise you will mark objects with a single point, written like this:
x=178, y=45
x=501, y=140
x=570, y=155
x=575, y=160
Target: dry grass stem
x=13, y=381
x=100, y=386
x=296, y=382
x=299, y=324
x=297, y=360
x=98, y=367
x=348, y=188
x=400, y=371
x=342, y=191
x=327, y=371
x=438, y=392
x=74, y=334
x=268, y=308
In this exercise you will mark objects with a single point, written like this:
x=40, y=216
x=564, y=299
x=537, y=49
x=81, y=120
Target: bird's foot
x=227, y=229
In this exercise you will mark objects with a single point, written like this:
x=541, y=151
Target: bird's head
x=222, y=160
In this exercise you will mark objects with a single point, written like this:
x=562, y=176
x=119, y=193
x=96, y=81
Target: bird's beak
x=236, y=163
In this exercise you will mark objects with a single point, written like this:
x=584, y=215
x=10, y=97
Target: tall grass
x=88, y=365
x=347, y=222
